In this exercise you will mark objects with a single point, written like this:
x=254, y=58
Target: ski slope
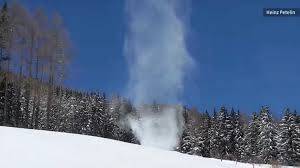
x=25, y=148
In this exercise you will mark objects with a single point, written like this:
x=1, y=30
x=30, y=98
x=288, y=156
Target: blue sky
x=244, y=60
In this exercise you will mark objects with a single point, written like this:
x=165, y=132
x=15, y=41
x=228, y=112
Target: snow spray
x=158, y=60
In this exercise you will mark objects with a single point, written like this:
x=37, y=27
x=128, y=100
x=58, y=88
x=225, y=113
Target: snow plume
x=158, y=61
x=161, y=130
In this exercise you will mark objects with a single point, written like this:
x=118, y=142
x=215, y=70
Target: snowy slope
x=24, y=148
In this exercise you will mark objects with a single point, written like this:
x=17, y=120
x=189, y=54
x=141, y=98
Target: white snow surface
x=25, y=148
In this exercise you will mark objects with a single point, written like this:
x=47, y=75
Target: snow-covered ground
x=25, y=148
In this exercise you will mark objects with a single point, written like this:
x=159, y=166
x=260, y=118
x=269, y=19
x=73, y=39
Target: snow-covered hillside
x=24, y=148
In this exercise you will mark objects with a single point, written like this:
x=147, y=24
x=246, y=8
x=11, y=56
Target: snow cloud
x=155, y=47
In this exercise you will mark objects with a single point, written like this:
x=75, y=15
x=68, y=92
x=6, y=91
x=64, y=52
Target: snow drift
x=25, y=148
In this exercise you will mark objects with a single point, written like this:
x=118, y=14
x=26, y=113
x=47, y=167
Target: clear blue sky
x=243, y=59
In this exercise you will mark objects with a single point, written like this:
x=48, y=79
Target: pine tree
x=193, y=141
x=266, y=138
x=82, y=115
x=218, y=134
x=250, y=141
x=2, y=97
x=205, y=127
x=10, y=105
x=230, y=135
x=222, y=133
x=111, y=118
x=43, y=116
x=189, y=140
x=23, y=101
x=284, y=144
x=295, y=138
x=54, y=111
x=99, y=115
x=238, y=136
x=213, y=134
x=16, y=105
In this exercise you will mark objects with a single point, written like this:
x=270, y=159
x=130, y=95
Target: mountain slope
x=25, y=148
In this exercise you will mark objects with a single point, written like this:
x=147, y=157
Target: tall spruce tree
x=238, y=136
x=230, y=135
x=295, y=138
x=221, y=133
x=250, y=141
x=189, y=139
x=205, y=127
x=213, y=134
x=266, y=138
x=284, y=144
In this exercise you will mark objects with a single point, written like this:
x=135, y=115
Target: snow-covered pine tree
x=27, y=95
x=238, y=136
x=229, y=135
x=31, y=107
x=13, y=105
x=295, y=136
x=250, y=141
x=23, y=101
x=11, y=93
x=266, y=138
x=284, y=140
x=2, y=98
x=213, y=134
x=16, y=105
x=67, y=104
x=192, y=141
x=54, y=116
x=188, y=142
x=82, y=116
x=43, y=107
x=204, y=134
x=112, y=113
x=99, y=115
x=220, y=135
x=77, y=126
x=65, y=113
x=36, y=104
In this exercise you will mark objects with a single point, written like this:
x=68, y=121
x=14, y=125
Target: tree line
x=230, y=135
x=70, y=111
x=34, y=52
